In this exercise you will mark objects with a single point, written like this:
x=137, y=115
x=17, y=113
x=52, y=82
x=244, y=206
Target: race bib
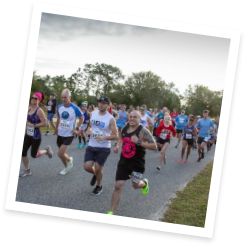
x=64, y=124
x=97, y=133
x=30, y=131
x=181, y=120
x=206, y=139
x=188, y=136
x=49, y=108
x=163, y=136
x=135, y=177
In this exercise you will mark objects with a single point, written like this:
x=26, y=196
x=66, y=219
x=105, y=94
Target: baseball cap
x=182, y=110
x=104, y=99
x=84, y=103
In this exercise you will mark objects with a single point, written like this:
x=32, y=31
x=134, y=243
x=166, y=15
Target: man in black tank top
x=134, y=139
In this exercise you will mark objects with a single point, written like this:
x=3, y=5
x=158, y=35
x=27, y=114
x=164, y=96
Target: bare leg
x=62, y=154
x=25, y=162
x=188, y=151
x=117, y=194
x=183, y=149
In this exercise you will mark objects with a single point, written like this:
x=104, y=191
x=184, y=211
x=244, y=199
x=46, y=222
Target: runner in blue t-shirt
x=206, y=126
x=180, y=121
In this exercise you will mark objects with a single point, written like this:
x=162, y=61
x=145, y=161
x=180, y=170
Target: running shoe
x=210, y=148
x=198, y=160
x=202, y=156
x=186, y=160
x=49, y=151
x=180, y=160
x=176, y=146
x=159, y=148
x=110, y=212
x=93, y=180
x=84, y=145
x=79, y=145
x=64, y=171
x=145, y=190
x=158, y=167
x=47, y=133
x=165, y=160
x=70, y=164
x=25, y=173
x=97, y=190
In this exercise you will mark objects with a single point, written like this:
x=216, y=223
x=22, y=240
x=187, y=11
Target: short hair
x=138, y=114
x=205, y=111
x=67, y=91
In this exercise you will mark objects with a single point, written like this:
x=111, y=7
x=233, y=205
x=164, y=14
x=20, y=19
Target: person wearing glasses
x=33, y=136
x=180, y=121
x=51, y=108
x=66, y=119
x=84, y=125
x=190, y=133
x=206, y=126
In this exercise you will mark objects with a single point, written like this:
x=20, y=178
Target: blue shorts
x=97, y=154
x=50, y=116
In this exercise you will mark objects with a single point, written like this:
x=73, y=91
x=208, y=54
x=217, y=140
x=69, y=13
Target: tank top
x=86, y=117
x=33, y=131
x=100, y=127
x=143, y=121
x=131, y=154
x=122, y=119
x=188, y=135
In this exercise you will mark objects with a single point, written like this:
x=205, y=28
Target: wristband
x=139, y=142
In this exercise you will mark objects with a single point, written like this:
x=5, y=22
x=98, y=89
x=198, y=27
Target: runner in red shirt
x=174, y=114
x=163, y=133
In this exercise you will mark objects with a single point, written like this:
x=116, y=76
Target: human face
x=34, y=100
x=102, y=106
x=52, y=97
x=205, y=115
x=134, y=119
x=123, y=108
x=167, y=119
x=142, y=110
x=90, y=108
x=84, y=107
x=182, y=112
x=65, y=98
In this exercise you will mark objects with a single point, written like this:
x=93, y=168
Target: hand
x=29, y=124
x=116, y=149
x=99, y=139
x=56, y=131
x=189, y=130
x=208, y=132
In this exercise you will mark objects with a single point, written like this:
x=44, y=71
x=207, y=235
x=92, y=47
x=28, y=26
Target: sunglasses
x=35, y=98
x=191, y=120
x=142, y=109
x=89, y=108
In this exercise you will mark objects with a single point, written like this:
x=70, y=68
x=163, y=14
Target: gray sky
x=67, y=43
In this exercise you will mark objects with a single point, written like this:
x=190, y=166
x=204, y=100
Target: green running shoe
x=110, y=212
x=145, y=190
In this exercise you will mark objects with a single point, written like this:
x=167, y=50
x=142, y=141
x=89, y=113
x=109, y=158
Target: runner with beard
x=134, y=139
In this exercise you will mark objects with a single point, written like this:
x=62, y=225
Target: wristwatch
x=139, y=142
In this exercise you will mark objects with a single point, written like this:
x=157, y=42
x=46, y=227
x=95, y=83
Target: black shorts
x=179, y=131
x=200, y=140
x=97, y=154
x=30, y=142
x=189, y=141
x=162, y=141
x=123, y=172
x=64, y=141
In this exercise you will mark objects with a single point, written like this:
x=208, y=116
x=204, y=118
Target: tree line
x=96, y=80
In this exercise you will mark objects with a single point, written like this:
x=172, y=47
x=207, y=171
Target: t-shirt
x=67, y=117
x=167, y=131
x=181, y=121
x=174, y=116
x=52, y=108
x=122, y=118
x=204, y=127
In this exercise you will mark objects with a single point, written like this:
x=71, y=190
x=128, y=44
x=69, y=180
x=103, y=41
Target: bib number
x=64, y=124
x=163, y=136
x=97, y=133
x=30, y=131
x=49, y=108
x=206, y=139
x=188, y=136
x=181, y=121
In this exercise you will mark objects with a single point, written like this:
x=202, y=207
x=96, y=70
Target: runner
x=122, y=117
x=66, y=118
x=212, y=137
x=160, y=116
x=130, y=109
x=163, y=133
x=89, y=111
x=190, y=133
x=33, y=136
x=205, y=127
x=146, y=121
x=84, y=125
x=154, y=120
x=180, y=121
x=174, y=115
x=134, y=139
x=103, y=130
x=51, y=106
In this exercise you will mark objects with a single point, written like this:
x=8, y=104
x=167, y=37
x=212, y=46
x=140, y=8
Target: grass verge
x=190, y=205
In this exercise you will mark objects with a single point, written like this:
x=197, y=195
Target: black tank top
x=131, y=154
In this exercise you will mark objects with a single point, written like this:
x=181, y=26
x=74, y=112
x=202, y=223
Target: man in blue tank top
x=180, y=121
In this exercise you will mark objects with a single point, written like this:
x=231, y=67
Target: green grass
x=190, y=205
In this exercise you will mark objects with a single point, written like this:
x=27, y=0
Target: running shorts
x=124, y=172
x=64, y=141
x=97, y=154
x=189, y=141
x=179, y=130
x=162, y=141
x=50, y=116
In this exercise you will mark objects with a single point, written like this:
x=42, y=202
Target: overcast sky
x=67, y=43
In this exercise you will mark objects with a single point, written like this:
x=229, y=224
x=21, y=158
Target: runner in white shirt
x=66, y=118
x=146, y=121
x=103, y=130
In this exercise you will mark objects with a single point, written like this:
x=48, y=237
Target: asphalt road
x=73, y=191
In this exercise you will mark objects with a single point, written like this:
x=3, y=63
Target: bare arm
x=41, y=116
x=147, y=139
x=57, y=124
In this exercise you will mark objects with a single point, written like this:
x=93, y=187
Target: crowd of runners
x=132, y=131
